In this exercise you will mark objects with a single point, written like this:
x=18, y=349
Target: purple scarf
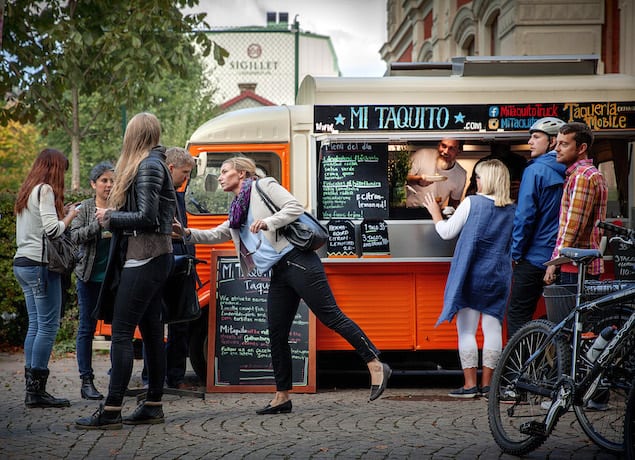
x=240, y=205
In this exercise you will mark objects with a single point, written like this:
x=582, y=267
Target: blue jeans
x=139, y=302
x=527, y=287
x=300, y=275
x=87, y=294
x=43, y=295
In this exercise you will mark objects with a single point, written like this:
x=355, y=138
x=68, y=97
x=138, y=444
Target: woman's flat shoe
x=377, y=390
x=283, y=408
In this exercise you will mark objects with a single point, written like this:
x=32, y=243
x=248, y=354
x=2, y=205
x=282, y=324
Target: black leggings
x=138, y=302
x=300, y=275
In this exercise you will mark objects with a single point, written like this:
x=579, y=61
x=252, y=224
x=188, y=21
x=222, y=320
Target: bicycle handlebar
x=621, y=231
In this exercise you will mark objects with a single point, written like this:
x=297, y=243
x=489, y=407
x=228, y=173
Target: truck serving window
x=205, y=196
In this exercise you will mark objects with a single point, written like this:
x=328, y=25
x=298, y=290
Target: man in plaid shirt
x=583, y=202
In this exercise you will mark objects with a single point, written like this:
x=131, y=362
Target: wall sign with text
x=600, y=116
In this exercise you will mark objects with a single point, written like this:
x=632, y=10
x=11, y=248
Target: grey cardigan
x=290, y=210
x=86, y=232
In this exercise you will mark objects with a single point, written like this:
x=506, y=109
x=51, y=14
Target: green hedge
x=13, y=316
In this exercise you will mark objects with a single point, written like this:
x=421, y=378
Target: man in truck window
x=438, y=172
x=535, y=222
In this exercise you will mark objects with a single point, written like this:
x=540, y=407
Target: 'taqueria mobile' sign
x=599, y=116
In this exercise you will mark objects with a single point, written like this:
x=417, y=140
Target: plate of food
x=434, y=178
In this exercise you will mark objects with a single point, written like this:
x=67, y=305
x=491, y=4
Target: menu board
x=353, y=181
x=375, y=238
x=624, y=260
x=342, y=240
x=240, y=356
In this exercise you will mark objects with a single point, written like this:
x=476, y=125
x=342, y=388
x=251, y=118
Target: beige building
x=438, y=30
x=266, y=63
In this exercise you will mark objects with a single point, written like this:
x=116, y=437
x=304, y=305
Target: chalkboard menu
x=239, y=340
x=353, y=181
x=342, y=241
x=624, y=260
x=375, y=238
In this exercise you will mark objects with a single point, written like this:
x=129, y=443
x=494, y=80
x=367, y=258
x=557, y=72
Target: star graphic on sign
x=460, y=118
x=339, y=119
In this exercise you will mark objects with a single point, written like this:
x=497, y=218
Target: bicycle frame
x=583, y=389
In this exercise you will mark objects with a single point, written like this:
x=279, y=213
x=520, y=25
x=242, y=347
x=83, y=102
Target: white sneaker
x=593, y=405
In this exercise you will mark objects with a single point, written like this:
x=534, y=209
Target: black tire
x=605, y=427
x=508, y=407
x=629, y=425
x=198, y=346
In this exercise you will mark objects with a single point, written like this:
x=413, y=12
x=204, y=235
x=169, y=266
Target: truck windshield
x=205, y=196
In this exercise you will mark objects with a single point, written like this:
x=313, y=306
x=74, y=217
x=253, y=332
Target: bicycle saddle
x=581, y=255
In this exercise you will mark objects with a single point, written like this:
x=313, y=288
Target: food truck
x=338, y=151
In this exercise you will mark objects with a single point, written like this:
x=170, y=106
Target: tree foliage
x=62, y=57
x=19, y=145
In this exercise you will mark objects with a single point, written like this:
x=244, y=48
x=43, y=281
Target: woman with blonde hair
x=141, y=209
x=295, y=274
x=479, y=281
x=40, y=210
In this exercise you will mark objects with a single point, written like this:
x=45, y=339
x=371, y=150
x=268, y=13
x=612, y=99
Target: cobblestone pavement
x=405, y=423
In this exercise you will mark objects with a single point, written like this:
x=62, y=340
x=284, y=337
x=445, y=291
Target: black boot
x=36, y=395
x=102, y=419
x=146, y=413
x=88, y=389
x=27, y=377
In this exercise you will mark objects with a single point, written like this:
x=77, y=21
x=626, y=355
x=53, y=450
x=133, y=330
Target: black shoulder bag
x=305, y=233
x=62, y=252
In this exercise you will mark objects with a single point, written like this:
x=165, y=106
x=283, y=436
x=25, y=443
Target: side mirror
x=201, y=164
x=211, y=183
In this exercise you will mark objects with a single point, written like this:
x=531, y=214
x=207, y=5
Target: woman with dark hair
x=94, y=243
x=39, y=211
x=141, y=209
x=296, y=274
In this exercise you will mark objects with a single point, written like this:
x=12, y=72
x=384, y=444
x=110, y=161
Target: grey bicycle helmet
x=547, y=125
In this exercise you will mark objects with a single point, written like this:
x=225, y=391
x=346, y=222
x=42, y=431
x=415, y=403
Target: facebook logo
x=493, y=111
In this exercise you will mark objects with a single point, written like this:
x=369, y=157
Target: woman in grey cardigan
x=295, y=274
x=94, y=244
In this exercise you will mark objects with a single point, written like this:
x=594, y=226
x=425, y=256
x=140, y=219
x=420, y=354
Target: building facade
x=266, y=64
x=437, y=30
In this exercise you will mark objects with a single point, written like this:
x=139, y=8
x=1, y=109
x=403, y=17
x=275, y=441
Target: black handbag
x=62, y=252
x=180, y=296
x=305, y=233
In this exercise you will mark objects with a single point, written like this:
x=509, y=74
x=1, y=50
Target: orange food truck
x=338, y=151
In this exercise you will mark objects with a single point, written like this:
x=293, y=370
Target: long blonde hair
x=494, y=180
x=142, y=133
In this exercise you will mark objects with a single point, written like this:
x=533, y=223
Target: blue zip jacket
x=537, y=211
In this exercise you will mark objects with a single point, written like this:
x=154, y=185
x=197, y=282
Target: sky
x=357, y=27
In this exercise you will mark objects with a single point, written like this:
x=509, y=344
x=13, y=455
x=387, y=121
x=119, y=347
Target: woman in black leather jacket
x=141, y=209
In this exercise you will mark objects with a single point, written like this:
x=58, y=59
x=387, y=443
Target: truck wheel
x=198, y=346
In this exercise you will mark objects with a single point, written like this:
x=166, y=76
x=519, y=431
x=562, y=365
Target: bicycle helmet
x=547, y=125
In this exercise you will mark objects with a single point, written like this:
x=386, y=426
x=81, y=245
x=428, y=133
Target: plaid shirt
x=583, y=203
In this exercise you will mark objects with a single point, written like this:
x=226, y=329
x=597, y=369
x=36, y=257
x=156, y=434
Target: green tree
x=19, y=145
x=60, y=53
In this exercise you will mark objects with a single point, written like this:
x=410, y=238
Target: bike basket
x=559, y=300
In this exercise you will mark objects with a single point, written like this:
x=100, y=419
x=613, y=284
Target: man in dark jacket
x=535, y=222
x=180, y=163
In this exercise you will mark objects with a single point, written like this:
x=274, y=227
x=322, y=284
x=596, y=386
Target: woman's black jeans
x=139, y=302
x=300, y=275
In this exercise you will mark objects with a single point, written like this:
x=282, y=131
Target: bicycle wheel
x=602, y=417
x=629, y=424
x=509, y=407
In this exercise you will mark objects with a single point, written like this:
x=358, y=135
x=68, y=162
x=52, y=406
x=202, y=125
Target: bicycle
x=546, y=368
x=629, y=425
